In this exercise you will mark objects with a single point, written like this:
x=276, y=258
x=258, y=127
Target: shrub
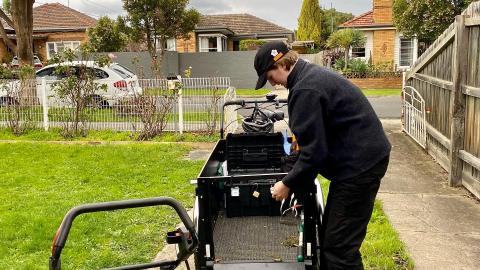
x=77, y=89
x=339, y=64
x=6, y=73
x=251, y=44
x=358, y=66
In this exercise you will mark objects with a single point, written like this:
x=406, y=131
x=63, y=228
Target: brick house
x=384, y=44
x=217, y=33
x=55, y=27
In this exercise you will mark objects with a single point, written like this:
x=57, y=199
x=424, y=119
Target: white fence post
x=45, y=104
x=180, y=110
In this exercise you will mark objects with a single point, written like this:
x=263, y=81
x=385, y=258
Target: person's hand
x=280, y=191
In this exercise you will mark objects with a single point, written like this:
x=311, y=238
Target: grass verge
x=35, y=114
x=104, y=135
x=252, y=92
x=41, y=182
x=209, y=92
x=382, y=248
x=382, y=92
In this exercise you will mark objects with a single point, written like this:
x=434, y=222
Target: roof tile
x=58, y=16
x=365, y=19
x=240, y=24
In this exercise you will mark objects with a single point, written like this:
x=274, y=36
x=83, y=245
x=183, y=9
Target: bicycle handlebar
x=242, y=102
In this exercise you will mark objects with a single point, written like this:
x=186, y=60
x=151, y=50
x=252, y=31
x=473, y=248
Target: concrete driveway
x=440, y=225
x=386, y=107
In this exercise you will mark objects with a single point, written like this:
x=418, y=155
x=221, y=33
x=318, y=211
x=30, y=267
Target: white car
x=120, y=82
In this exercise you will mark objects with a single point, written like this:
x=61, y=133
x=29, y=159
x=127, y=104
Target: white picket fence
x=196, y=107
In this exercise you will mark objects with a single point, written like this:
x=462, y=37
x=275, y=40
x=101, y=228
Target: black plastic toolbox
x=250, y=199
x=254, y=152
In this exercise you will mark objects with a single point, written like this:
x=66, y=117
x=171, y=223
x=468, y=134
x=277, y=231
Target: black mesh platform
x=260, y=238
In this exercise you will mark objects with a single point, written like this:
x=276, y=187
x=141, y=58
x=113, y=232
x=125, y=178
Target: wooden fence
x=447, y=76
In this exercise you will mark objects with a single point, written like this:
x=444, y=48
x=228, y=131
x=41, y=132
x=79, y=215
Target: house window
x=358, y=52
x=56, y=47
x=216, y=43
x=406, y=51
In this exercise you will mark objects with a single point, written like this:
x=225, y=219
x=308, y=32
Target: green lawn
x=98, y=115
x=209, y=92
x=381, y=92
x=186, y=92
x=40, y=182
x=252, y=92
x=105, y=135
x=382, y=248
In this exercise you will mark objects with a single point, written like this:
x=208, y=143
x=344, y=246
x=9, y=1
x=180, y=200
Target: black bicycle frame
x=241, y=102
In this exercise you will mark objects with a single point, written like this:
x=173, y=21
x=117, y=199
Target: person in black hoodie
x=340, y=137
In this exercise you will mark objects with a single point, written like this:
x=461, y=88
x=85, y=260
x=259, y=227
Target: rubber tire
x=5, y=101
x=196, y=260
x=96, y=101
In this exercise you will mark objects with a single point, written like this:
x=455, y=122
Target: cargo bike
x=236, y=223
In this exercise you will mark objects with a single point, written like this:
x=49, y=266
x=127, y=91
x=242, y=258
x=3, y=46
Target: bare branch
x=7, y=41
x=6, y=18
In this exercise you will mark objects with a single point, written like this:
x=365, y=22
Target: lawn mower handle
x=242, y=102
x=64, y=229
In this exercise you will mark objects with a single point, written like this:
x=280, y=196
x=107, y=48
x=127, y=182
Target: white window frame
x=358, y=57
x=412, y=54
x=73, y=44
x=221, y=40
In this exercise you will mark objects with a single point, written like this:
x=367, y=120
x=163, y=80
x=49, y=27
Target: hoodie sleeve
x=308, y=124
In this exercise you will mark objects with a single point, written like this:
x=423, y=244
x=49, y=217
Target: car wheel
x=97, y=101
x=7, y=101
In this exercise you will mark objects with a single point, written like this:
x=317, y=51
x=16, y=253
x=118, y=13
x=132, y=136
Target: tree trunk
x=22, y=16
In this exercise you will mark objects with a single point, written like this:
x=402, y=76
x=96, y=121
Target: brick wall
x=383, y=46
x=67, y=36
x=229, y=45
x=4, y=53
x=188, y=45
x=382, y=11
x=378, y=83
x=41, y=46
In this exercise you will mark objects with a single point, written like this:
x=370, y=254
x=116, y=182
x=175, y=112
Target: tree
x=158, y=21
x=77, y=88
x=310, y=22
x=426, y=19
x=106, y=36
x=21, y=21
x=332, y=19
x=346, y=39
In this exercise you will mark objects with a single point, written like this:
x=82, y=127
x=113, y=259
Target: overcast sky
x=282, y=12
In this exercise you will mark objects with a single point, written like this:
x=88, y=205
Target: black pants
x=347, y=213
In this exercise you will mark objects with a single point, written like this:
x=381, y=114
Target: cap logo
x=277, y=57
x=274, y=53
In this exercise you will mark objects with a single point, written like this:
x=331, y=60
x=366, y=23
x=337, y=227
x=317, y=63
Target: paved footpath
x=440, y=225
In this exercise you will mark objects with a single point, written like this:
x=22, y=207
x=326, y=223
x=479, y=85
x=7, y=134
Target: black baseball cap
x=266, y=56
